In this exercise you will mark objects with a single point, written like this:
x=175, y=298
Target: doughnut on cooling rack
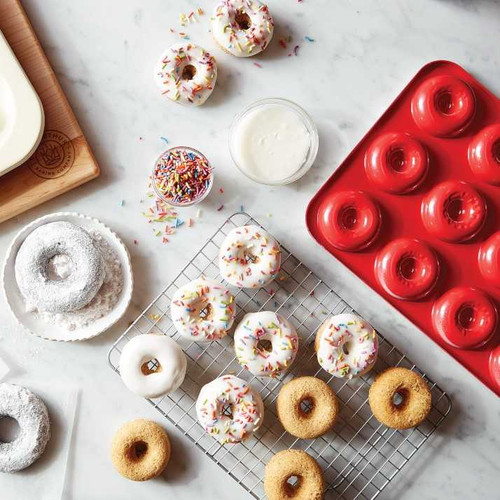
x=359, y=457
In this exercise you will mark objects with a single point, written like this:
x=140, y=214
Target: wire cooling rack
x=359, y=457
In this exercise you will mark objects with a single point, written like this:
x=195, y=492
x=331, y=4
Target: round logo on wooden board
x=54, y=157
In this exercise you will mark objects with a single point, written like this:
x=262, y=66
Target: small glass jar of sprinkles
x=182, y=176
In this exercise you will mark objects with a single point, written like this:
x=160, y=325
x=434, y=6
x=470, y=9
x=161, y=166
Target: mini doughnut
x=203, y=310
x=494, y=365
x=443, y=106
x=242, y=28
x=35, y=270
x=349, y=220
x=152, y=380
x=140, y=450
x=249, y=257
x=229, y=409
x=289, y=464
x=484, y=154
x=346, y=346
x=265, y=326
x=489, y=259
x=186, y=73
x=396, y=162
x=320, y=400
x=464, y=317
x=31, y=414
x=407, y=269
x=453, y=211
x=415, y=397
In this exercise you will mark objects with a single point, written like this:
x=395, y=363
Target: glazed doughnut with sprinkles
x=229, y=409
x=249, y=257
x=186, y=73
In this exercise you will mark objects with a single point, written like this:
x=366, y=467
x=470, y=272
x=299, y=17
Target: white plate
x=30, y=321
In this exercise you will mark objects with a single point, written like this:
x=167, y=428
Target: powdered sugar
x=106, y=298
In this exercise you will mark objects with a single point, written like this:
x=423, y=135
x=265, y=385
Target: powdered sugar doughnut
x=242, y=28
x=346, y=346
x=265, y=325
x=249, y=257
x=167, y=375
x=30, y=412
x=186, y=73
x=229, y=395
x=203, y=310
x=59, y=268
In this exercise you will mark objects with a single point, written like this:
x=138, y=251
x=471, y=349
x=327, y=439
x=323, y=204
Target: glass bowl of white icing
x=273, y=141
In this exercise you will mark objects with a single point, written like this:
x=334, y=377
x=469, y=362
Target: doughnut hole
x=466, y=317
x=188, y=72
x=454, y=209
x=407, y=268
x=348, y=218
x=306, y=406
x=202, y=310
x=138, y=451
x=242, y=19
x=496, y=151
x=347, y=347
x=292, y=485
x=246, y=256
x=59, y=267
x=151, y=366
x=9, y=429
x=265, y=345
x=400, y=398
x=397, y=160
x=446, y=103
x=227, y=410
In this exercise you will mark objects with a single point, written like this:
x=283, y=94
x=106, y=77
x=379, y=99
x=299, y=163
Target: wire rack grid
x=360, y=456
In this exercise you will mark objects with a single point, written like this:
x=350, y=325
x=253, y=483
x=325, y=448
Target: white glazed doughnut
x=242, y=28
x=249, y=257
x=244, y=403
x=186, y=73
x=203, y=310
x=141, y=379
x=265, y=325
x=59, y=268
x=32, y=417
x=346, y=346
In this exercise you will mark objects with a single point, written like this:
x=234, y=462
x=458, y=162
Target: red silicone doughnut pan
x=414, y=211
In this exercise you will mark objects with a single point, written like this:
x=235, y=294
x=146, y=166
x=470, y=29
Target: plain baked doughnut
x=140, y=450
x=287, y=464
x=323, y=412
x=411, y=387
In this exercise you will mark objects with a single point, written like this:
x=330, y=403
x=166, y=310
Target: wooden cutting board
x=63, y=160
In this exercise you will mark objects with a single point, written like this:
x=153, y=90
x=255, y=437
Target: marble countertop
x=363, y=54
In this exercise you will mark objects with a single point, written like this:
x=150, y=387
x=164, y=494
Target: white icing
x=203, y=310
x=249, y=257
x=265, y=325
x=347, y=332
x=186, y=73
x=32, y=416
x=228, y=33
x=271, y=143
x=142, y=349
x=32, y=262
x=246, y=407
x=104, y=301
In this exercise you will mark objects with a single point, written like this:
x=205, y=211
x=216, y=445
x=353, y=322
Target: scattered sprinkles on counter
x=182, y=176
x=309, y=39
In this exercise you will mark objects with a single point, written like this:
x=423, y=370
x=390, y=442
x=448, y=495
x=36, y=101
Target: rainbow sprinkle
x=182, y=176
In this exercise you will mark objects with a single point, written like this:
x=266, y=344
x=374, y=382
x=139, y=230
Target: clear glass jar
x=308, y=124
x=204, y=193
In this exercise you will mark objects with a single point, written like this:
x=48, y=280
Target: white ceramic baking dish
x=21, y=113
